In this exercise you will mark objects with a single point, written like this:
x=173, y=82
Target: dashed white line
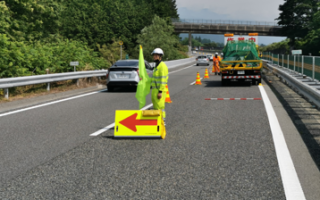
x=50, y=103
x=181, y=69
x=290, y=180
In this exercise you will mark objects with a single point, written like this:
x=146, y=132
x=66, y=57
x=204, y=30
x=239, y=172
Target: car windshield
x=132, y=63
x=202, y=57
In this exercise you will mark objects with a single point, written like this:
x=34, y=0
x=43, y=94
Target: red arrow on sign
x=132, y=122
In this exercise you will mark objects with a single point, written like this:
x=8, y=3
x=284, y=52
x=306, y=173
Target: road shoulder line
x=290, y=180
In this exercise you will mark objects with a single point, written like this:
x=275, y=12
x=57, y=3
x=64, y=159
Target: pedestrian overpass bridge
x=226, y=26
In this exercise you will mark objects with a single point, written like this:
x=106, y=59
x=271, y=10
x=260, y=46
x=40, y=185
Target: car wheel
x=208, y=64
x=197, y=64
x=110, y=88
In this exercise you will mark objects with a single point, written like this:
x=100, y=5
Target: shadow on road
x=215, y=83
x=130, y=138
x=126, y=89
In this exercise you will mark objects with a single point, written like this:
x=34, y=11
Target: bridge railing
x=224, y=22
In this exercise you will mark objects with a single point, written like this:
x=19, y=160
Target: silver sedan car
x=202, y=60
x=125, y=73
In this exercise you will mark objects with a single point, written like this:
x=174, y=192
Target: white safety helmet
x=216, y=53
x=222, y=54
x=157, y=51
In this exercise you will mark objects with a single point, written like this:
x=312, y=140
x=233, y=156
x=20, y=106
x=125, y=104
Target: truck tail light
x=256, y=72
x=224, y=72
x=107, y=74
x=196, y=59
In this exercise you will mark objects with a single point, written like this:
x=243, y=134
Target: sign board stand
x=139, y=124
x=74, y=64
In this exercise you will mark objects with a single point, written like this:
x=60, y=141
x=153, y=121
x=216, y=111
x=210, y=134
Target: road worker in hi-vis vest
x=216, y=61
x=159, y=81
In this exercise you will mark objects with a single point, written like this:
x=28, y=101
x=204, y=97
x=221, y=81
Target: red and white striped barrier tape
x=232, y=77
x=234, y=99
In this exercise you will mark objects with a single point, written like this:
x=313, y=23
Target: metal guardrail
x=305, y=85
x=224, y=22
x=6, y=83
x=307, y=65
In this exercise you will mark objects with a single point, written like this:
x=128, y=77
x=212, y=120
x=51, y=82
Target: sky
x=246, y=10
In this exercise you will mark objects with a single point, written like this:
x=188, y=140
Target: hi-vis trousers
x=158, y=104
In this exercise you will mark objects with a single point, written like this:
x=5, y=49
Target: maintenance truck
x=241, y=61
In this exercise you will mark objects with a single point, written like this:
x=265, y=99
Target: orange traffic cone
x=206, y=74
x=213, y=70
x=198, y=80
x=168, y=100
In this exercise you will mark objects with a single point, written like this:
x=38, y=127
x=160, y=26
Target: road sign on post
x=127, y=56
x=74, y=64
x=120, y=43
x=296, y=52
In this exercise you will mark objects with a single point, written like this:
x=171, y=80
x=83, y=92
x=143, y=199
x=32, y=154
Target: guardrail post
x=294, y=63
x=282, y=60
x=288, y=62
x=313, y=63
x=302, y=66
x=278, y=61
x=6, y=93
x=48, y=86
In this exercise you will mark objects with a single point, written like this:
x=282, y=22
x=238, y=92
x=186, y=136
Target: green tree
x=277, y=47
x=159, y=34
x=296, y=17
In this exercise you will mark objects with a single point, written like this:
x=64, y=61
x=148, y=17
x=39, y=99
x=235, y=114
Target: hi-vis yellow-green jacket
x=160, y=77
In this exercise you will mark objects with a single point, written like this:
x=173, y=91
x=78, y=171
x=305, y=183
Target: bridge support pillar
x=190, y=40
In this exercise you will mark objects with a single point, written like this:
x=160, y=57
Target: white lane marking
x=181, y=69
x=290, y=180
x=50, y=103
x=144, y=108
x=195, y=81
x=112, y=125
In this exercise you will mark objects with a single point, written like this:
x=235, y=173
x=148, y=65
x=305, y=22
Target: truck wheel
x=259, y=81
x=224, y=82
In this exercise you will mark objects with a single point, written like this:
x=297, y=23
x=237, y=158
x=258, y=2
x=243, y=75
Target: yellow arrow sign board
x=139, y=123
x=120, y=42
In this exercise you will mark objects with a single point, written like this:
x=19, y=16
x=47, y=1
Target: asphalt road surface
x=213, y=149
